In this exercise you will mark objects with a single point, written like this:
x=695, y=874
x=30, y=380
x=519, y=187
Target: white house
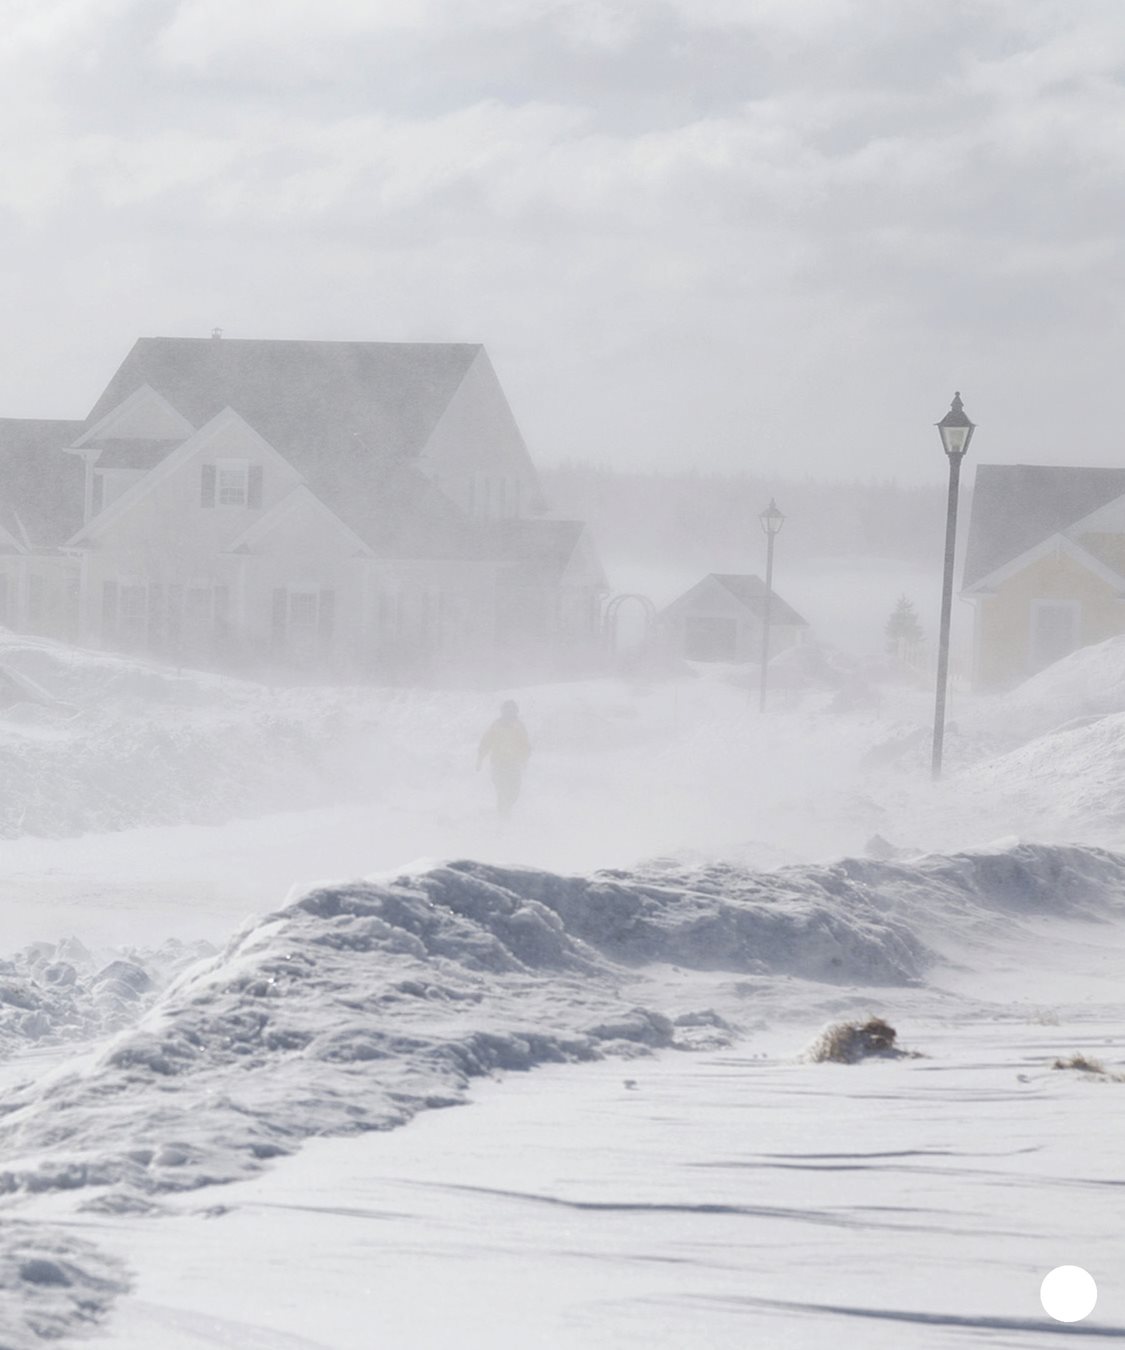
x=368, y=508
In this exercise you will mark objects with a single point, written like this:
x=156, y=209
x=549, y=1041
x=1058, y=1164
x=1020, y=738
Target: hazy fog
x=773, y=235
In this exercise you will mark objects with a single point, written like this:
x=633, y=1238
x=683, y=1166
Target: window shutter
x=254, y=488
x=280, y=610
x=326, y=616
x=207, y=486
x=109, y=608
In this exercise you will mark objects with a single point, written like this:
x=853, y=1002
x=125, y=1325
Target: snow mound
x=102, y=771
x=51, y=1285
x=361, y=1004
x=1068, y=782
x=1088, y=683
x=53, y=993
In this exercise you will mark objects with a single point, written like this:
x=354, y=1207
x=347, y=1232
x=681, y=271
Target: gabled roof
x=356, y=399
x=41, y=489
x=750, y=592
x=542, y=543
x=134, y=454
x=143, y=415
x=1054, y=544
x=219, y=426
x=1017, y=506
x=299, y=499
x=351, y=417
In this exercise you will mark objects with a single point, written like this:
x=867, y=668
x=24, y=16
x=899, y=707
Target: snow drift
x=52, y=1284
x=361, y=1004
x=55, y=993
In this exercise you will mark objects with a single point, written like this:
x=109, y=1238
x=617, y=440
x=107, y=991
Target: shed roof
x=750, y=592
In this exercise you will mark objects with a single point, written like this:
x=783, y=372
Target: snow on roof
x=1016, y=506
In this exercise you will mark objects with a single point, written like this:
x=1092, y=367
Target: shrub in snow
x=1081, y=1063
x=849, y=1042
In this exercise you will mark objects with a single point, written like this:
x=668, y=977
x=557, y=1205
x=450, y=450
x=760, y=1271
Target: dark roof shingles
x=751, y=592
x=38, y=481
x=1016, y=506
x=349, y=416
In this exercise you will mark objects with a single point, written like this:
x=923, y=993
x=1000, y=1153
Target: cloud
x=672, y=222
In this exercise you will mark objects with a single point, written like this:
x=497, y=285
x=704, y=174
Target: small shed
x=721, y=619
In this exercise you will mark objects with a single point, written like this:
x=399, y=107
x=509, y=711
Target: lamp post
x=956, y=432
x=771, y=521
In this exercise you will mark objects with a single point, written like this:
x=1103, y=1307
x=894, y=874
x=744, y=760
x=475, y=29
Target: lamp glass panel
x=955, y=439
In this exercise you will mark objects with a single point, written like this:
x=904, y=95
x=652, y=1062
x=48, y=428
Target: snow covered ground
x=210, y=1021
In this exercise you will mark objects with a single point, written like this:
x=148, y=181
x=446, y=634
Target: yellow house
x=1044, y=567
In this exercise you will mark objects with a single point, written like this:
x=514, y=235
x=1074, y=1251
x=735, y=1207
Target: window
x=232, y=481
x=303, y=621
x=302, y=611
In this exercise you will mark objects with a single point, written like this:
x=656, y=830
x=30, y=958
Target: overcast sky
x=771, y=234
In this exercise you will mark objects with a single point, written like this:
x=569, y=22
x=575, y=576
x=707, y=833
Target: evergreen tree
x=903, y=632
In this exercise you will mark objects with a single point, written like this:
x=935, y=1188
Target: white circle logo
x=1068, y=1294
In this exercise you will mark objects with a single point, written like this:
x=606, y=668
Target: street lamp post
x=956, y=432
x=771, y=520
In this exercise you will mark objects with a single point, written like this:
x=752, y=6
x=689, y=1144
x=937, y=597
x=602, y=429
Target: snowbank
x=1068, y=782
x=1089, y=682
x=55, y=993
x=52, y=1284
x=112, y=743
x=361, y=1004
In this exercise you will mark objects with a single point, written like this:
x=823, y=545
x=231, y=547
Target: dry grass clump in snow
x=849, y=1042
x=1082, y=1063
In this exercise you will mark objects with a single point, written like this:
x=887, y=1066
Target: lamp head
x=955, y=429
x=771, y=518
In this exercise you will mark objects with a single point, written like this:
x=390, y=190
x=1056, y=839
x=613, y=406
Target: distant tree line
x=709, y=519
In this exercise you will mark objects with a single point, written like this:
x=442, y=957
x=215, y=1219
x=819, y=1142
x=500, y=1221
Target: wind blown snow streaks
x=363, y=1003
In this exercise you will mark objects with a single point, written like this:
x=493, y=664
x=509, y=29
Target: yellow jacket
x=506, y=742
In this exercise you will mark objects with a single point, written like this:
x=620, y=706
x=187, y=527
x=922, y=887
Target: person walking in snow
x=506, y=746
